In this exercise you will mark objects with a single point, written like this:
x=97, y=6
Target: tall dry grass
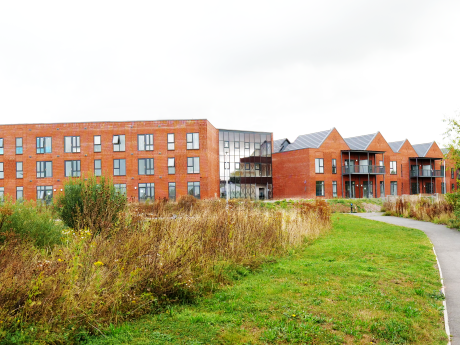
x=425, y=209
x=155, y=254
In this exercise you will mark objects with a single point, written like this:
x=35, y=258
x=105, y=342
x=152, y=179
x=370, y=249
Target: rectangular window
x=72, y=144
x=45, y=194
x=334, y=166
x=1, y=146
x=237, y=144
x=393, y=188
x=319, y=188
x=43, y=144
x=172, y=191
x=97, y=143
x=145, y=166
x=247, y=146
x=146, y=191
x=226, y=144
x=120, y=188
x=2, y=173
x=2, y=194
x=19, y=170
x=19, y=193
x=194, y=189
x=145, y=142
x=193, y=165
x=453, y=187
x=193, y=141
x=226, y=165
x=118, y=142
x=334, y=189
x=171, y=145
x=393, y=168
x=119, y=167
x=171, y=165
x=72, y=168
x=44, y=169
x=319, y=165
x=452, y=173
x=19, y=146
x=237, y=166
x=97, y=167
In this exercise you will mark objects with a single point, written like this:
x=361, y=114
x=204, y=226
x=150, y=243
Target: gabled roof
x=278, y=144
x=422, y=149
x=445, y=150
x=396, y=145
x=309, y=141
x=360, y=143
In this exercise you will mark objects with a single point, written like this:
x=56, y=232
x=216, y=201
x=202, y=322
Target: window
x=393, y=169
x=44, y=169
x=119, y=167
x=334, y=189
x=145, y=142
x=97, y=167
x=453, y=187
x=226, y=144
x=171, y=145
x=172, y=191
x=247, y=166
x=19, y=193
x=246, y=146
x=1, y=146
x=194, y=189
x=120, y=188
x=319, y=165
x=452, y=173
x=2, y=194
x=258, y=171
x=71, y=144
x=19, y=170
x=19, y=146
x=226, y=165
x=146, y=191
x=171, y=166
x=145, y=166
x=319, y=188
x=72, y=168
x=118, y=142
x=393, y=188
x=193, y=165
x=334, y=166
x=2, y=173
x=237, y=166
x=43, y=144
x=45, y=194
x=97, y=143
x=237, y=144
x=193, y=141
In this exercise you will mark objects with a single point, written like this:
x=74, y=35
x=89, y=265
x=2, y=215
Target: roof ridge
x=372, y=140
x=328, y=134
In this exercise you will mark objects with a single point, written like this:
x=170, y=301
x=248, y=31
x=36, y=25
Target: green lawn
x=365, y=282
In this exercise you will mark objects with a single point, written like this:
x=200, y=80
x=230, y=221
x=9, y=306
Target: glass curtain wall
x=245, y=162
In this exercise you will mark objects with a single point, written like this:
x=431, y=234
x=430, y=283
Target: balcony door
x=347, y=189
x=366, y=190
x=426, y=171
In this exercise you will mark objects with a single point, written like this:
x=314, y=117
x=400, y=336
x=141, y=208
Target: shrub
x=30, y=221
x=91, y=203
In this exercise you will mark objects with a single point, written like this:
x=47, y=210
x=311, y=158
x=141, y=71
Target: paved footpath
x=447, y=245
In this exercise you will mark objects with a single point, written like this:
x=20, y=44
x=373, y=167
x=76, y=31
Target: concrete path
x=447, y=246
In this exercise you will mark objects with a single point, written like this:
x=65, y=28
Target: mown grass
x=366, y=282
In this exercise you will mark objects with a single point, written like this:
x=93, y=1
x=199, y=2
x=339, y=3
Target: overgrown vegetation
x=337, y=205
x=426, y=209
x=147, y=257
x=365, y=283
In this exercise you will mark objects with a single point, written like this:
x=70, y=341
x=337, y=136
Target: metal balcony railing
x=426, y=173
x=363, y=169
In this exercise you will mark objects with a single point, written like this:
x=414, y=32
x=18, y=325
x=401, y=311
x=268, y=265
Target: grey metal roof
x=360, y=143
x=396, y=145
x=422, y=149
x=309, y=141
x=277, y=144
x=445, y=150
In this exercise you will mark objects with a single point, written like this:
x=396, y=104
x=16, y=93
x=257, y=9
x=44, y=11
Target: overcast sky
x=289, y=67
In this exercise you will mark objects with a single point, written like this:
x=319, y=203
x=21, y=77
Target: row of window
x=319, y=165
x=146, y=191
x=73, y=168
x=320, y=189
x=72, y=143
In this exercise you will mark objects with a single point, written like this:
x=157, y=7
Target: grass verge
x=365, y=282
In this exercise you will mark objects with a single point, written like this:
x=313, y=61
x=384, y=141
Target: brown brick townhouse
x=145, y=159
x=324, y=164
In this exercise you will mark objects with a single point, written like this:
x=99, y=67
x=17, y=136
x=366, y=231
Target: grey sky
x=291, y=67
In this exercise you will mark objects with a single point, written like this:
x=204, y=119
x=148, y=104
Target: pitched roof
x=445, y=150
x=396, y=145
x=277, y=144
x=309, y=141
x=422, y=149
x=361, y=142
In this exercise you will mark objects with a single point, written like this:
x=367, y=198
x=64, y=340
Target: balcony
x=426, y=173
x=363, y=169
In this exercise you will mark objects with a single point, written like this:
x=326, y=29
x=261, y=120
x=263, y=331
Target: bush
x=90, y=203
x=29, y=221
